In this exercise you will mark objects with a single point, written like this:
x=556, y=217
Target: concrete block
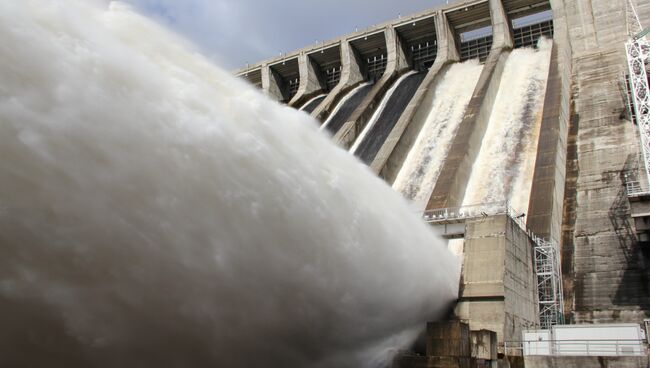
x=448, y=339
x=484, y=344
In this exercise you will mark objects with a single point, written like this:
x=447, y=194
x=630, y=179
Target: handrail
x=578, y=347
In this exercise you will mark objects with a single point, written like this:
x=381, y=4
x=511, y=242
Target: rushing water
x=503, y=170
x=378, y=111
x=346, y=107
x=420, y=170
x=154, y=211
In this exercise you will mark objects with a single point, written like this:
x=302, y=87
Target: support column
x=271, y=84
x=351, y=75
x=501, y=26
x=395, y=65
x=449, y=190
x=545, y=207
x=310, y=81
x=393, y=152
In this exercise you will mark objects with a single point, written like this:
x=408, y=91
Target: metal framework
x=638, y=52
x=294, y=84
x=527, y=36
x=377, y=66
x=333, y=76
x=424, y=54
x=476, y=48
x=549, y=283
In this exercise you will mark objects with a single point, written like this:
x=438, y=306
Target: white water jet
x=378, y=111
x=422, y=165
x=157, y=212
x=503, y=170
x=345, y=98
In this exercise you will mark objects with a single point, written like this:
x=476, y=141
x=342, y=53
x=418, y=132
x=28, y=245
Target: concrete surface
x=351, y=76
x=397, y=64
x=392, y=154
x=497, y=290
x=311, y=82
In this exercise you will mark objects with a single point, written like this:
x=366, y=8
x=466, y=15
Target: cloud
x=241, y=31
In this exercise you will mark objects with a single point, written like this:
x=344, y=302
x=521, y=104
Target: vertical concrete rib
x=397, y=62
x=351, y=75
x=545, y=207
x=271, y=84
x=310, y=80
x=393, y=152
x=454, y=175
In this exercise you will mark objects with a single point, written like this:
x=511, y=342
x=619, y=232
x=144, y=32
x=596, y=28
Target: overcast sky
x=236, y=32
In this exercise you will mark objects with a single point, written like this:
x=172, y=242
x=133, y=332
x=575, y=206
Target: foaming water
x=154, y=211
x=503, y=170
x=420, y=170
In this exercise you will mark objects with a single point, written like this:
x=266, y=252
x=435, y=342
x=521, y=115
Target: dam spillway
x=386, y=116
x=546, y=128
x=421, y=166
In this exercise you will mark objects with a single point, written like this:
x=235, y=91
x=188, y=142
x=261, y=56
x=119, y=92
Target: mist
x=155, y=211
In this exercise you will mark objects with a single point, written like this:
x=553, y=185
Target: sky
x=237, y=32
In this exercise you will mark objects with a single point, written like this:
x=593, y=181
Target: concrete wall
x=311, y=82
x=544, y=215
x=605, y=279
x=497, y=290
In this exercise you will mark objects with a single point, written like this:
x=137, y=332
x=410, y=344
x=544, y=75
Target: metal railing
x=466, y=212
x=607, y=347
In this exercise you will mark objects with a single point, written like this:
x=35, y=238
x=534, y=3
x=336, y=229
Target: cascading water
x=310, y=105
x=155, y=211
x=345, y=107
x=503, y=170
x=420, y=170
x=378, y=111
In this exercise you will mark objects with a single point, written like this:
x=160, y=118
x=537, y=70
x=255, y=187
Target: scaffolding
x=547, y=256
x=549, y=283
x=638, y=53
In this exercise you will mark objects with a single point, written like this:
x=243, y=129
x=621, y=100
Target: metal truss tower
x=638, y=52
x=549, y=283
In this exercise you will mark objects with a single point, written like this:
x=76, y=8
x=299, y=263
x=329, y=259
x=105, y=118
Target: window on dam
x=476, y=44
x=424, y=55
x=333, y=76
x=293, y=85
x=528, y=36
x=527, y=30
x=376, y=66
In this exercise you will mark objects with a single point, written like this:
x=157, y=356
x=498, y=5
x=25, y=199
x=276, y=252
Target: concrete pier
x=311, y=81
x=396, y=64
x=351, y=76
x=454, y=175
x=393, y=152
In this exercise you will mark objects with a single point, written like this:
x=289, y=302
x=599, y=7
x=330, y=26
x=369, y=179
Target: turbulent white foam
x=156, y=212
x=345, y=98
x=504, y=167
x=378, y=111
x=420, y=170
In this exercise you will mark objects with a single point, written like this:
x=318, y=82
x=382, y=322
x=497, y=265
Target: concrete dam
x=512, y=127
